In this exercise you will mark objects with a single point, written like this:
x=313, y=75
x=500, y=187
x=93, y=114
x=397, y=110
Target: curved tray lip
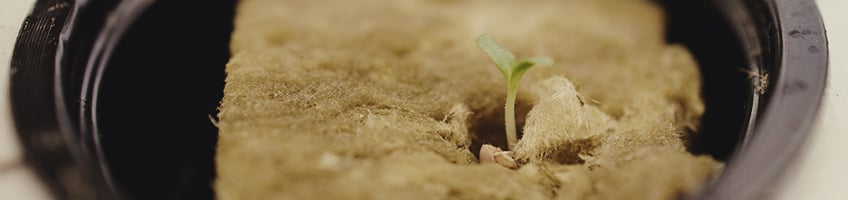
x=120, y=19
x=72, y=164
x=787, y=112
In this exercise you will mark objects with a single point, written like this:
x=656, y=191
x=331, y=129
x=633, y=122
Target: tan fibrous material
x=370, y=99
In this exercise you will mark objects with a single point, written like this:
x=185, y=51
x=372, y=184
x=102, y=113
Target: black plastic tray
x=112, y=99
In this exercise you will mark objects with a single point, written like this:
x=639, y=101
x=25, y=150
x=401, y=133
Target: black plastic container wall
x=93, y=77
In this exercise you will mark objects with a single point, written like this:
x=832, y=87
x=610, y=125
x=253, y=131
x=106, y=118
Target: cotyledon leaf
x=523, y=65
x=502, y=57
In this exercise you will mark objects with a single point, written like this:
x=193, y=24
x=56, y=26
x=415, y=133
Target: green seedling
x=512, y=71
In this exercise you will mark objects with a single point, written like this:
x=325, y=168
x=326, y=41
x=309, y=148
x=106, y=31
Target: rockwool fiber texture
x=379, y=99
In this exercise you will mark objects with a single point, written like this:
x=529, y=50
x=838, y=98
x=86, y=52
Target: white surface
x=21, y=183
x=12, y=14
x=16, y=181
x=822, y=170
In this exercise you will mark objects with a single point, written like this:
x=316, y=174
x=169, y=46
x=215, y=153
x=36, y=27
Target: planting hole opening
x=487, y=126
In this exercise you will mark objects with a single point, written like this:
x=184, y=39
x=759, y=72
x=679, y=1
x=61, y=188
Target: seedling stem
x=512, y=72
